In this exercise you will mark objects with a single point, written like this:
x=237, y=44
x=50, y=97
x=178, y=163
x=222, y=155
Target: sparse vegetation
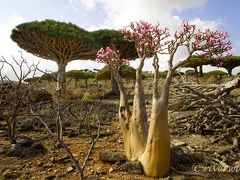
x=91, y=133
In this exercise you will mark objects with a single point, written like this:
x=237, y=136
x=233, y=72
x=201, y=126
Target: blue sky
x=95, y=14
x=227, y=12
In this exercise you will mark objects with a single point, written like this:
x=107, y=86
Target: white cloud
x=7, y=46
x=74, y=4
x=118, y=14
x=121, y=13
x=204, y=24
x=89, y=4
x=77, y=4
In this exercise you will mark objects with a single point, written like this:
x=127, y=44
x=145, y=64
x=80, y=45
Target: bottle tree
x=151, y=145
x=57, y=41
x=114, y=39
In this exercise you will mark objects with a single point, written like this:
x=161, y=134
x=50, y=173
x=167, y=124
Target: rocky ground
x=40, y=158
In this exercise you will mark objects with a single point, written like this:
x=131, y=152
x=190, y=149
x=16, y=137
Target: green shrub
x=190, y=73
x=163, y=74
x=125, y=71
x=87, y=96
x=128, y=72
x=49, y=76
x=215, y=73
x=103, y=74
x=32, y=80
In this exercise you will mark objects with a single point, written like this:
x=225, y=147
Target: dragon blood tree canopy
x=57, y=41
x=114, y=39
x=227, y=62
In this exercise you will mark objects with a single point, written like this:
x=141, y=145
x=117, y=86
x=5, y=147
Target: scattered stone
x=10, y=174
x=99, y=171
x=26, y=147
x=38, y=95
x=70, y=169
x=110, y=170
x=73, y=133
x=131, y=167
x=64, y=159
x=39, y=163
x=112, y=157
x=181, y=160
x=50, y=177
x=30, y=125
x=237, y=164
x=48, y=165
x=23, y=141
x=180, y=144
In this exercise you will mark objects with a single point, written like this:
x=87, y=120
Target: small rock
x=39, y=163
x=52, y=159
x=113, y=157
x=24, y=141
x=237, y=164
x=69, y=169
x=51, y=177
x=75, y=154
x=9, y=174
x=120, y=141
x=180, y=144
x=110, y=170
x=48, y=165
x=50, y=169
x=99, y=171
x=132, y=167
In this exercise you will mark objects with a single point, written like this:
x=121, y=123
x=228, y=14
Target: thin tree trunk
x=115, y=90
x=61, y=80
x=201, y=71
x=196, y=73
x=229, y=70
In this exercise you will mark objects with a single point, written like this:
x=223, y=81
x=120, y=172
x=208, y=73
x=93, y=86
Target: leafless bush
x=14, y=92
x=58, y=110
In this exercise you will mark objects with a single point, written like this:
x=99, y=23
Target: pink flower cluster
x=212, y=43
x=111, y=58
x=187, y=29
x=147, y=37
x=151, y=39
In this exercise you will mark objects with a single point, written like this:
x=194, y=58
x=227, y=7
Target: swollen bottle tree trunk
x=133, y=124
x=156, y=156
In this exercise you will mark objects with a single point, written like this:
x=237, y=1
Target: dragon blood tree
x=229, y=63
x=57, y=41
x=150, y=145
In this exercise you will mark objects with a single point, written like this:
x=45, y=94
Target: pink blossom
x=197, y=44
x=212, y=40
x=189, y=27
